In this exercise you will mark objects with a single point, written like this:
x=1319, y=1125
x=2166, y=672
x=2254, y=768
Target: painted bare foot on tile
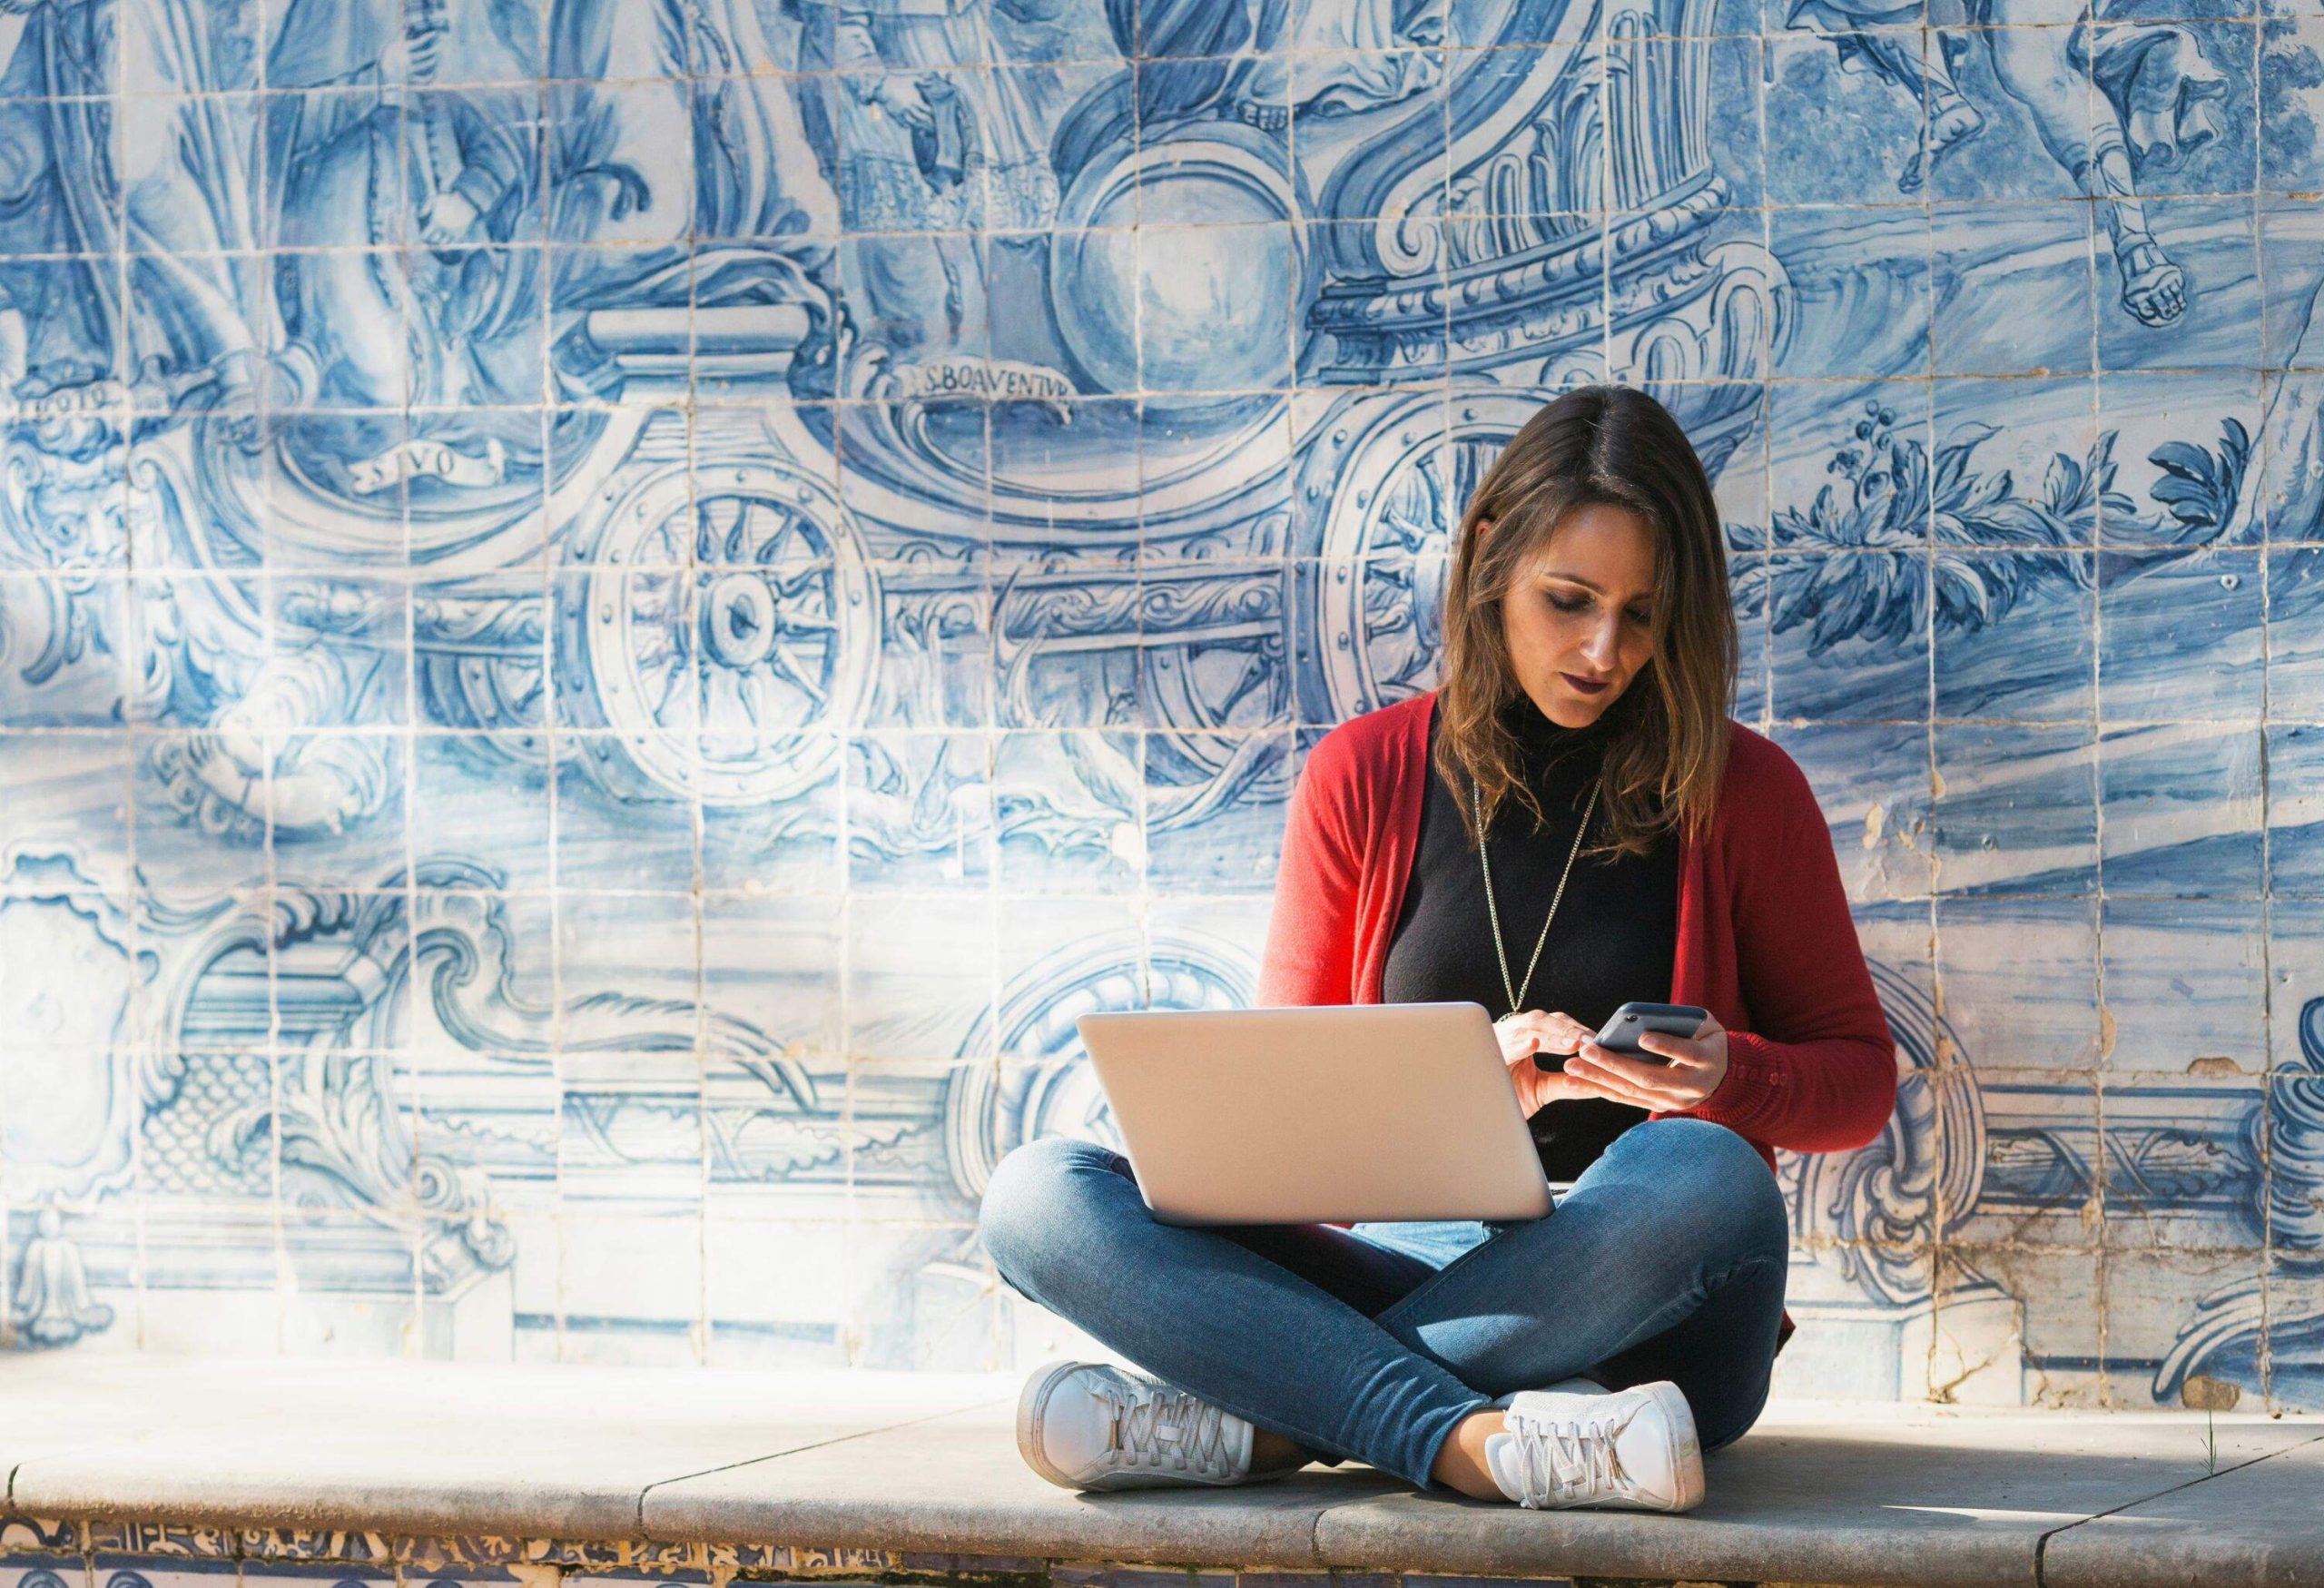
x=1955, y=121
x=2154, y=289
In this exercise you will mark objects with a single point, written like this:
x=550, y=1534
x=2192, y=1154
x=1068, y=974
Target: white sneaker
x=1089, y=1425
x=1633, y=1450
x=1563, y=1386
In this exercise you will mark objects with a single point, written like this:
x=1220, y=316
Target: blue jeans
x=1667, y=1259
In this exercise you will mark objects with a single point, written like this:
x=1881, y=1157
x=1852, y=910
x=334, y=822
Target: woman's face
x=1578, y=617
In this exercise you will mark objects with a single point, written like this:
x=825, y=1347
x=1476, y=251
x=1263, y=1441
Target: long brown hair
x=1616, y=446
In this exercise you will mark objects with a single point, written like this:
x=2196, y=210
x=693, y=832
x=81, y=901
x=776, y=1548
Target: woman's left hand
x=1698, y=1064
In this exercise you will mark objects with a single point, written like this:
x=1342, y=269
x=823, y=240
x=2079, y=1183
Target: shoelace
x=1565, y=1459
x=1169, y=1429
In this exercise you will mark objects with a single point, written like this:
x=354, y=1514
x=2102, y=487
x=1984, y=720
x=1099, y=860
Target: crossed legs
x=1665, y=1260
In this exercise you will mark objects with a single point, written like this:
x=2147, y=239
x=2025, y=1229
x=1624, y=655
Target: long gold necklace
x=1516, y=993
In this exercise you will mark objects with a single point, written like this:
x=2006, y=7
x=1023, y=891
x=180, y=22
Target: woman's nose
x=1604, y=646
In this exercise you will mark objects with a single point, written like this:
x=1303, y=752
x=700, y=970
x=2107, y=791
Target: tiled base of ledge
x=144, y=1554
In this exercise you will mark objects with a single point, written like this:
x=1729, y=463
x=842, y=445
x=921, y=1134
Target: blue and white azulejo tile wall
x=614, y=612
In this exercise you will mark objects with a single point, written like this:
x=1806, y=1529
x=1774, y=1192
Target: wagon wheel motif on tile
x=1043, y=1085
x=1385, y=483
x=727, y=627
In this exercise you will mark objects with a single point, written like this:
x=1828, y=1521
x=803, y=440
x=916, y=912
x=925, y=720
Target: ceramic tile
x=1985, y=141
x=1061, y=953
x=2295, y=969
x=2181, y=811
x=920, y=811
x=2062, y=1357
x=68, y=810
x=2152, y=620
x=2190, y=467
x=1850, y=637
x=2287, y=227
x=2039, y=670
x=479, y=800
x=2020, y=976
x=1884, y=771
x=33, y=1570
x=2185, y=1173
x=1236, y=845
x=766, y=964
x=631, y=1285
x=2215, y=243
x=1231, y=676
x=1821, y=104
x=924, y=1296
x=1839, y=453
x=2044, y=247
x=774, y=1293
x=770, y=824
x=2157, y=1357
x=645, y=940
x=1891, y=340
x=164, y=1571
x=2016, y=809
x=2037, y=1188
x=2295, y=637
x=82, y=687
x=2183, y=984
x=2293, y=855
x=1068, y=808
x=920, y=975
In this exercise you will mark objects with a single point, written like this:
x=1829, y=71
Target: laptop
x=1375, y=1113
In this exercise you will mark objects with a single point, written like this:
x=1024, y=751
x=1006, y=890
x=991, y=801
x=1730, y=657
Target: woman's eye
x=1569, y=603
x=1643, y=619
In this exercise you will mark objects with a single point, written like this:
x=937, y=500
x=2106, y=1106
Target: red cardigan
x=1766, y=942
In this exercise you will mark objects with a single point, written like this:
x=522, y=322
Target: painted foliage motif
x=612, y=615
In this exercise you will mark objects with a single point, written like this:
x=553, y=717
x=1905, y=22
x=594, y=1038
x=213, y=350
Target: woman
x=1590, y=1356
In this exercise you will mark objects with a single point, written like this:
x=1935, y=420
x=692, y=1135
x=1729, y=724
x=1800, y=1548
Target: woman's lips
x=1580, y=685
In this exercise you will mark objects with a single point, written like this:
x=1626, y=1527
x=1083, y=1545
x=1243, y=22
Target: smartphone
x=1619, y=1034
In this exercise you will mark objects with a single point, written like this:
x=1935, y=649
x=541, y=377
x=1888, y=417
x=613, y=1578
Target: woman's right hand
x=1529, y=1031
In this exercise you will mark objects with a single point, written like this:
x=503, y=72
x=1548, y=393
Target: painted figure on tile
x=454, y=327
x=927, y=147
x=1360, y=56
x=189, y=202
x=51, y=333
x=185, y=204
x=470, y=162
x=618, y=162
x=698, y=180
x=1926, y=74
x=357, y=169
x=332, y=158
x=2159, y=93
x=1350, y=56
x=1231, y=60
x=57, y=197
x=51, y=1303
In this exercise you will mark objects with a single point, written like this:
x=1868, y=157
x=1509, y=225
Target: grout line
x=801, y=1450
x=2041, y=1544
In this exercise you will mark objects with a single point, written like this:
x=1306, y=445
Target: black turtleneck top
x=1612, y=942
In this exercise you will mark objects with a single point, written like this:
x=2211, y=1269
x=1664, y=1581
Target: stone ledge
x=425, y=1468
